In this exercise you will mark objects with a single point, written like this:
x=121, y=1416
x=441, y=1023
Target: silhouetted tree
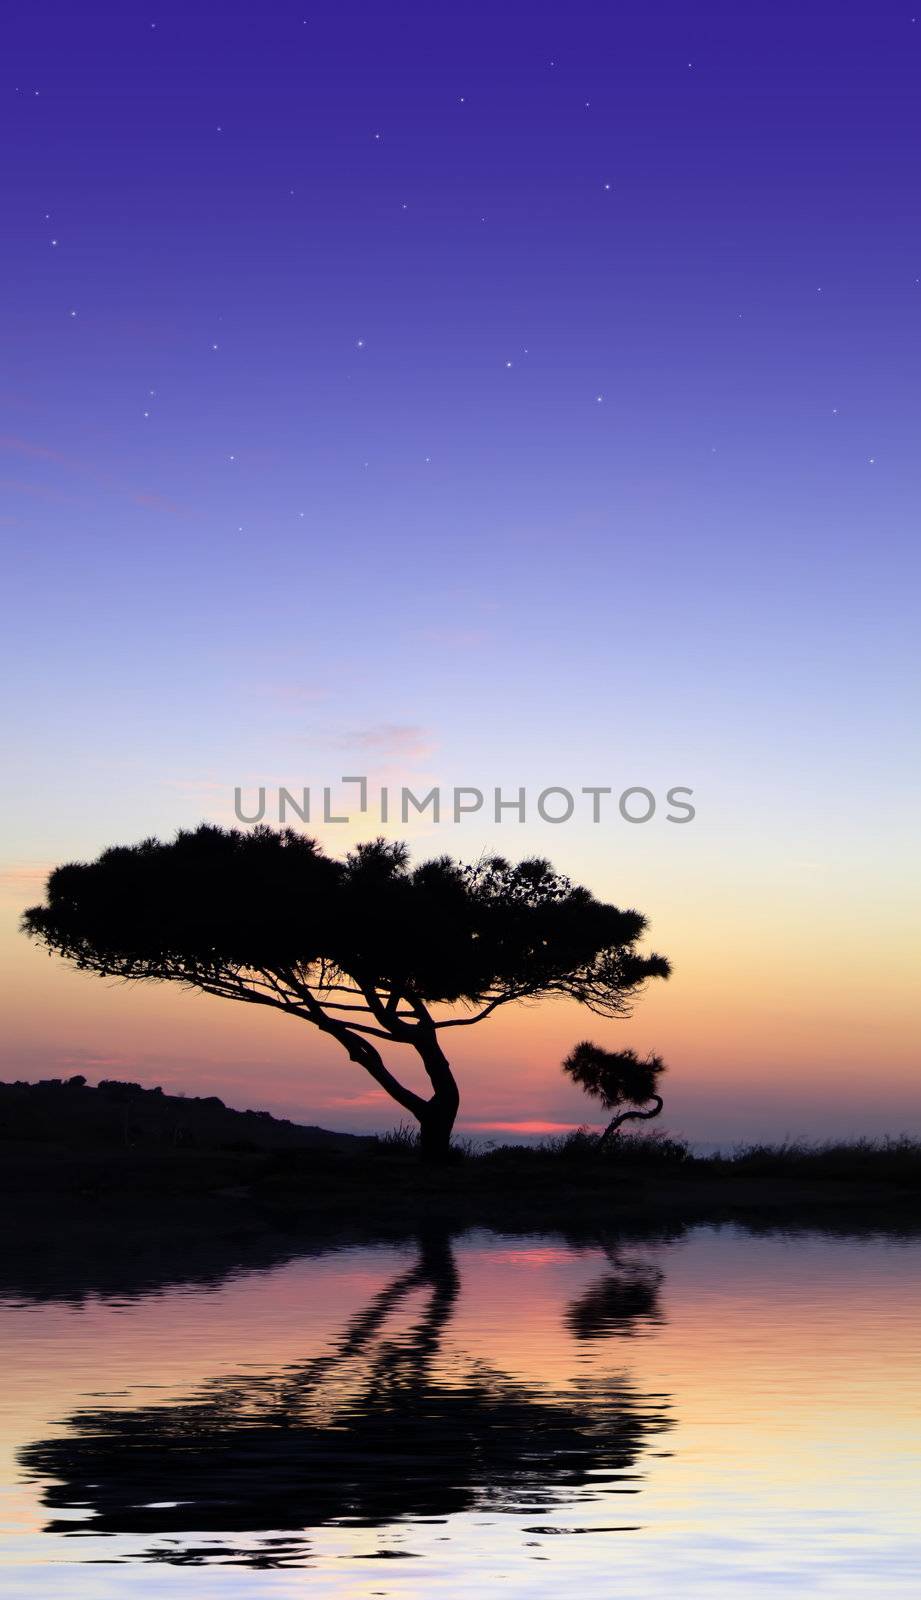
x=617, y=1078
x=366, y=949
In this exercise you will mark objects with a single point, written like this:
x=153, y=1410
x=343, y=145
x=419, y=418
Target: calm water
x=722, y=1415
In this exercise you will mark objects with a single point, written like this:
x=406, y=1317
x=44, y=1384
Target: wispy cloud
x=35, y=452
x=373, y=1098
x=29, y=450
x=39, y=491
x=85, y=1058
x=24, y=875
x=451, y=638
x=157, y=502
x=291, y=694
x=390, y=741
x=532, y=1127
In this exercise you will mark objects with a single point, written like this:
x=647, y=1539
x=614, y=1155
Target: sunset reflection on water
x=717, y=1413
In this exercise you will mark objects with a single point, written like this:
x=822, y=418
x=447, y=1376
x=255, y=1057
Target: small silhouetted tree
x=367, y=949
x=618, y=1078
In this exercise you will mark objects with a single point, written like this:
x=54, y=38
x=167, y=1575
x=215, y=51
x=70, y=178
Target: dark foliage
x=615, y=1077
x=893, y=1159
x=215, y=905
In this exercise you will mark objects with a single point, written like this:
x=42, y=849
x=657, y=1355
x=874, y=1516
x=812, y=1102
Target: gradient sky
x=497, y=396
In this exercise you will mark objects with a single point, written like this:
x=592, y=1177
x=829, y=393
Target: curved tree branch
x=625, y=1116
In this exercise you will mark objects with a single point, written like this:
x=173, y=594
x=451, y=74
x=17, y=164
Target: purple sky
x=517, y=395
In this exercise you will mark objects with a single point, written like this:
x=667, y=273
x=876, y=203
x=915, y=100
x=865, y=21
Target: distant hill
x=69, y=1112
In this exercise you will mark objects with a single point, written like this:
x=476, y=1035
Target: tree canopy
x=366, y=948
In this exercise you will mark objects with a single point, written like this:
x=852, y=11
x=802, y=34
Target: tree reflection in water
x=625, y=1300
x=371, y=1434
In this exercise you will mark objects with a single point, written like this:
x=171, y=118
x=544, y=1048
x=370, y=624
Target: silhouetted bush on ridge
x=116, y=1113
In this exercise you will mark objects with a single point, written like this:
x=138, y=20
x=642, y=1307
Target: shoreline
x=145, y=1218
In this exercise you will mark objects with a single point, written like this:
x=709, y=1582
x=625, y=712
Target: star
x=508, y=364
x=607, y=186
x=872, y=460
x=214, y=347
x=359, y=344
x=72, y=313
x=599, y=398
x=54, y=242
x=147, y=413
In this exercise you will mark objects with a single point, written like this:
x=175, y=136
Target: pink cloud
x=453, y=638
x=29, y=875
x=391, y=741
x=373, y=1098
x=30, y=451
x=534, y=1126
x=39, y=491
x=292, y=694
x=35, y=452
x=156, y=502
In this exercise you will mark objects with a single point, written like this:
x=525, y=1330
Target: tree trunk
x=625, y=1116
x=436, y=1115
x=435, y=1126
x=437, y=1118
